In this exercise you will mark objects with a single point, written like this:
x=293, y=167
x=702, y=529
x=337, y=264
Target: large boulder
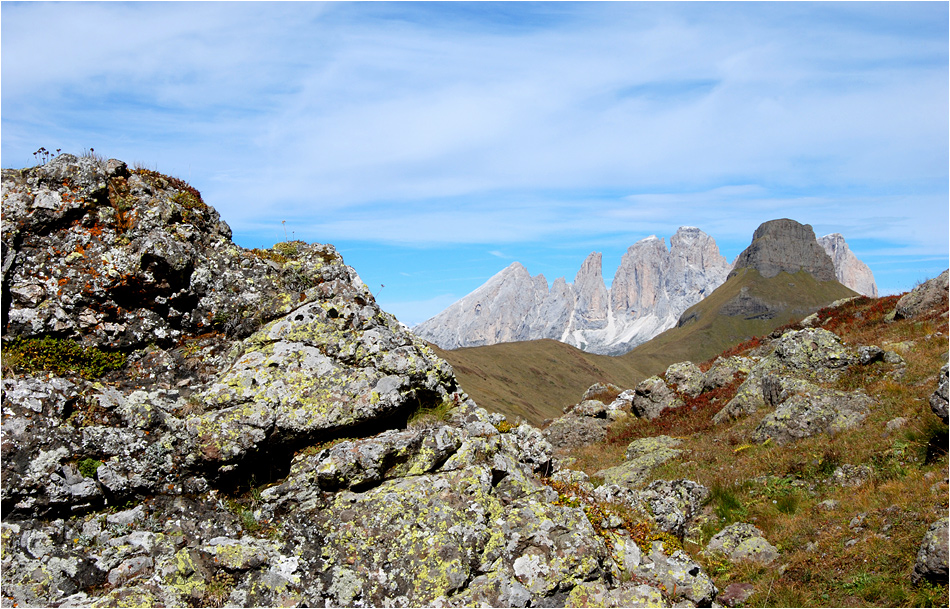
x=642, y=457
x=810, y=413
x=925, y=298
x=931, y=564
x=652, y=397
x=686, y=377
x=742, y=542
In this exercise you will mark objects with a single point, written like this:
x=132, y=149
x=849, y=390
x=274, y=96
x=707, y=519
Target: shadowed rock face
x=785, y=245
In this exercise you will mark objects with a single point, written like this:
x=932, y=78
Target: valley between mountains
x=186, y=422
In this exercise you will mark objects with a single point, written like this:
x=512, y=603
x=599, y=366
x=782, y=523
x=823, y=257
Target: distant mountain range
x=651, y=289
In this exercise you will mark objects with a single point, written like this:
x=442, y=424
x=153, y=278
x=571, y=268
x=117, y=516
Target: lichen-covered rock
x=813, y=350
x=574, y=432
x=652, y=397
x=602, y=392
x=931, y=564
x=807, y=414
x=642, y=456
x=674, y=503
x=681, y=576
x=724, y=371
x=797, y=360
x=670, y=504
x=628, y=594
x=273, y=438
x=686, y=377
x=848, y=475
x=742, y=541
x=938, y=400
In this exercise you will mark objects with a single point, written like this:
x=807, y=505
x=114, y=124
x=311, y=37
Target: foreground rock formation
x=190, y=423
x=651, y=289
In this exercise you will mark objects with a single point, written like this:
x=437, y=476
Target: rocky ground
x=190, y=423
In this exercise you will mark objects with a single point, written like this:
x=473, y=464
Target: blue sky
x=434, y=144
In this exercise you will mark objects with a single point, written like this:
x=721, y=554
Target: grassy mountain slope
x=535, y=379
x=840, y=545
x=705, y=330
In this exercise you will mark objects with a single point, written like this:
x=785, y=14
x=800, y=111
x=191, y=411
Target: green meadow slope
x=746, y=305
x=534, y=380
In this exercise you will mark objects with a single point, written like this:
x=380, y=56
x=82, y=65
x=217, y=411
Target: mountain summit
x=651, y=289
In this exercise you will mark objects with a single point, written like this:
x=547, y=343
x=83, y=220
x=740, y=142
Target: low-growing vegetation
x=60, y=356
x=845, y=540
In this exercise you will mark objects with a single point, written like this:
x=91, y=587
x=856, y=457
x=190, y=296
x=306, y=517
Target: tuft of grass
x=88, y=467
x=61, y=357
x=726, y=504
x=434, y=414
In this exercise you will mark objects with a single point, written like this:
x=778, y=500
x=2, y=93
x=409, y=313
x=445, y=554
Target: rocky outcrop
x=928, y=296
x=786, y=246
x=265, y=435
x=650, y=290
x=849, y=270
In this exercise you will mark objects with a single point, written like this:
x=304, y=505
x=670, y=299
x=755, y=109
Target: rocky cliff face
x=848, y=269
x=190, y=423
x=651, y=289
x=786, y=246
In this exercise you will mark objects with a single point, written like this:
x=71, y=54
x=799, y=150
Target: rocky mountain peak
x=849, y=270
x=652, y=286
x=592, y=306
x=786, y=245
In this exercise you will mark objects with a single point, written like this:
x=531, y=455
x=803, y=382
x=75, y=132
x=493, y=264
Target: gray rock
x=848, y=475
x=674, y=503
x=786, y=246
x=931, y=564
x=683, y=578
x=808, y=414
x=925, y=298
x=742, y=541
x=686, y=377
x=598, y=391
x=574, y=432
x=938, y=400
x=652, y=396
x=642, y=456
